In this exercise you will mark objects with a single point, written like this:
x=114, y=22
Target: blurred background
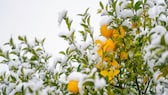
x=39, y=18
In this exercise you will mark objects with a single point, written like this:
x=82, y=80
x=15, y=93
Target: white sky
x=38, y=18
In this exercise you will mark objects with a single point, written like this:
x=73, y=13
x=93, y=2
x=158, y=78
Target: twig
x=136, y=81
x=146, y=87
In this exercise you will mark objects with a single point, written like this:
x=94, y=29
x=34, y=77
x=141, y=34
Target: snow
x=105, y=20
x=158, y=32
x=75, y=64
x=155, y=11
x=79, y=77
x=155, y=76
x=93, y=71
x=10, y=87
x=65, y=33
x=139, y=12
x=156, y=41
x=80, y=83
x=150, y=3
x=126, y=13
x=163, y=17
x=164, y=56
x=142, y=33
x=121, y=7
x=35, y=84
x=159, y=29
x=162, y=86
x=13, y=64
x=126, y=23
x=160, y=2
x=61, y=16
x=76, y=76
x=159, y=89
x=130, y=53
x=4, y=69
x=104, y=13
x=27, y=72
x=122, y=11
x=165, y=92
x=99, y=82
x=84, y=45
x=166, y=38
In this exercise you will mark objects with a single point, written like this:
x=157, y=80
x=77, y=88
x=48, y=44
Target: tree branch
x=136, y=81
x=146, y=87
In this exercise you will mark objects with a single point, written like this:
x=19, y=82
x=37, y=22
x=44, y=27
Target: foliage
x=128, y=58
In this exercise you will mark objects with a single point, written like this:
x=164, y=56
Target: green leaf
x=101, y=5
x=110, y=92
x=37, y=93
x=53, y=84
x=38, y=49
x=162, y=41
x=20, y=38
x=120, y=3
x=72, y=36
x=89, y=83
x=62, y=52
x=12, y=43
x=23, y=90
x=114, y=4
x=43, y=40
x=18, y=93
x=137, y=5
x=67, y=51
x=86, y=11
x=13, y=68
x=64, y=37
x=25, y=39
x=80, y=14
x=84, y=61
x=26, y=49
x=36, y=41
x=4, y=91
x=0, y=50
x=106, y=7
x=30, y=90
x=13, y=79
x=33, y=58
x=13, y=53
x=7, y=55
x=73, y=94
x=155, y=68
x=22, y=70
x=84, y=35
x=88, y=20
x=129, y=6
x=79, y=68
x=99, y=11
x=138, y=54
x=68, y=23
x=84, y=25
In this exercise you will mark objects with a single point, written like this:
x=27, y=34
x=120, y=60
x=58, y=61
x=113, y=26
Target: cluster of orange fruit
x=109, y=67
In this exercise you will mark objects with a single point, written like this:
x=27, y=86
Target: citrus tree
x=130, y=57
